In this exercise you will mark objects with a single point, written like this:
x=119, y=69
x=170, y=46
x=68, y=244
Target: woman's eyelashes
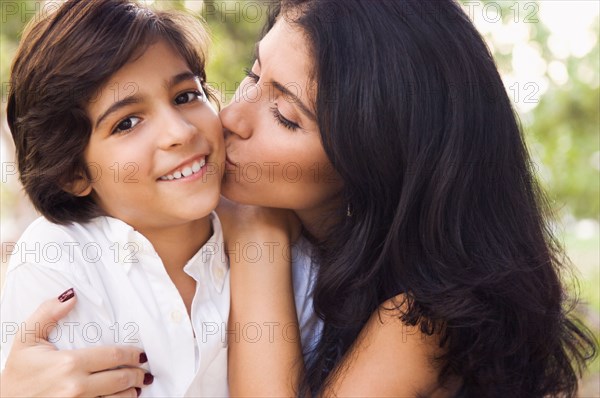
x=288, y=124
x=253, y=76
x=127, y=124
x=279, y=118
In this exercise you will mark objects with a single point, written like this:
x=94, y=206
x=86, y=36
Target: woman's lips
x=229, y=162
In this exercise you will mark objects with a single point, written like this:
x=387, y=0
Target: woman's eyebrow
x=285, y=91
x=293, y=98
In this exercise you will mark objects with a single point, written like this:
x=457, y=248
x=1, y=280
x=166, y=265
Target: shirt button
x=176, y=316
x=220, y=273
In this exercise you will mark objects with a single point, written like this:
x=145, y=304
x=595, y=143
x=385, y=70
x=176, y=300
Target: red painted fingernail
x=143, y=358
x=67, y=295
x=148, y=379
x=138, y=391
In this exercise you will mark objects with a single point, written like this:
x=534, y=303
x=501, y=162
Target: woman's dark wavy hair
x=64, y=58
x=445, y=206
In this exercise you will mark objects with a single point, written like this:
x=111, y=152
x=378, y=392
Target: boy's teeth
x=186, y=172
x=196, y=167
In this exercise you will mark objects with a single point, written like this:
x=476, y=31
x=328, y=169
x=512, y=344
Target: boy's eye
x=126, y=124
x=188, y=96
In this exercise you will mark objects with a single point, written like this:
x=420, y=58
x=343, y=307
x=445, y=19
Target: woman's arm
x=389, y=358
x=35, y=368
x=266, y=359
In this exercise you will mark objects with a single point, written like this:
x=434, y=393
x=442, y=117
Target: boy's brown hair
x=63, y=59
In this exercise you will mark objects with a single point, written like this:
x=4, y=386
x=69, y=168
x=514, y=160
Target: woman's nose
x=238, y=117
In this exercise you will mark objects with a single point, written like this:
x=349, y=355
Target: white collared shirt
x=125, y=296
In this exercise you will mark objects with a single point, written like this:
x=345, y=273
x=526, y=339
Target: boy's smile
x=157, y=146
x=193, y=168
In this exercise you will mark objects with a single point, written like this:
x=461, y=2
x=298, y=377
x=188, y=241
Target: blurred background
x=547, y=52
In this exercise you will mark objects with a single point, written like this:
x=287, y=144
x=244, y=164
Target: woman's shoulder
x=392, y=356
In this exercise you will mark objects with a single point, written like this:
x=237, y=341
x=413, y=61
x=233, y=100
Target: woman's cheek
x=282, y=184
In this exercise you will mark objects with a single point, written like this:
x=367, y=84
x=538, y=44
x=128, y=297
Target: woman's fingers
x=124, y=380
x=131, y=392
x=90, y=360
x=97, y=359
x=49, y=373
x=45, y=318
x=35, y=368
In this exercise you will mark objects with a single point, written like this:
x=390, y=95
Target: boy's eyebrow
x=284, y=90
x=181, y=77
x=134, y=99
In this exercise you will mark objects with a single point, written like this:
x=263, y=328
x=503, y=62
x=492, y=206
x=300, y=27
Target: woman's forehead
x=284, y=57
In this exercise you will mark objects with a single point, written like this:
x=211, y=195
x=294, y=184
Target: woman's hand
x=245, y=223
x=35, y=368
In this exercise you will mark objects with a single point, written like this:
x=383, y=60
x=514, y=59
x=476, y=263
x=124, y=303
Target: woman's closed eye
x=279, y=118
x=253, y=76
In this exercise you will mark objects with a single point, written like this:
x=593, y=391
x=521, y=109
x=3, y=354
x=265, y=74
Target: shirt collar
x=129, y=247
x=211, y=256
x=127, y=244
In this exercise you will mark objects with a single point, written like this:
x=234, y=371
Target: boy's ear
x=79, y=186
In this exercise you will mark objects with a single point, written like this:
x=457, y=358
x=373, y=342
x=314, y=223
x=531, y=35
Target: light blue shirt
x=304, y=272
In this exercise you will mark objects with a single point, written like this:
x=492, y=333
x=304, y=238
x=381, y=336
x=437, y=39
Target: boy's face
x=156, y=150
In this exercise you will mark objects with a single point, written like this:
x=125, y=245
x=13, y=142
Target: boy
x=119, y=149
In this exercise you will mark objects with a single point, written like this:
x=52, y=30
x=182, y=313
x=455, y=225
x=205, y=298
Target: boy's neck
x=176, y=245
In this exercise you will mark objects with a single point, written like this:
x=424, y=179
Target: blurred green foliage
x=563, y=130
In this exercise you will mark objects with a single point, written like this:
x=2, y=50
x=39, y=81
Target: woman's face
x=275, y=157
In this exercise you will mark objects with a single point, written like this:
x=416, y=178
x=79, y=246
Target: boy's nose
x=175, y=129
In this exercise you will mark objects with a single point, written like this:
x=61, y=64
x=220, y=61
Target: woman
x=438, y=274
x=439, y=221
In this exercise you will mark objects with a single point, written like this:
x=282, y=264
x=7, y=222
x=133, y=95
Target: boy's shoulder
x=60, y=246
x=42, y=230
